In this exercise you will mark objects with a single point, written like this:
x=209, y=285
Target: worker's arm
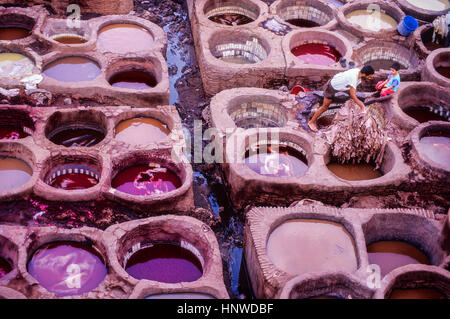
x=355, y=98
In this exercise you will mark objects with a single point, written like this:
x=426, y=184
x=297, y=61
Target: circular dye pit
x=231, y=13
x=436, y=146
x=390, y=255
x=253, y=114
x=72, y=69
x=431, y=5
x=69, y=39
x=423, y=114
x=427, y=39
x=12, y=132
x=67, y=268
x=384, y=64
x=354, y=172
x=73, y=177
x=5, y=267
x=10, y=34
x=276, y=161
x=375, y=21
x=124, y=38
x=76, y=135
x=303, y=23
x=182, y=295
x=144, y=180
x=141, y=131
x=301, y=246
x=418, y=293
x=164, y=263
x=135, y=80
x=317, y=54
x=13, y=173
x=15, y=65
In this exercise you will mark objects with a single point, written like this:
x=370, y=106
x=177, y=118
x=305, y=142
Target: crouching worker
x=390, y=86
x=346, y=82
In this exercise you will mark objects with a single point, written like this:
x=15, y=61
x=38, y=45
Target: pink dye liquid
x=142, y=180
x=316, y=53
x=164, y=263
x=67, y=268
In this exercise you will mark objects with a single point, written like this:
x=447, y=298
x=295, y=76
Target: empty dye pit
x=13, y=173
x=67, y=268
x=418, y=293
x=249, y=52
x=124, y=38
x=69, y=39
x=300, y=246
x=427, y=39
x=431, y=5
x=437, y=147
x=135, y=80
x=164, y=263
x=276, y=161
x=390, y=255
x=423, y=114
x=354, y=172
x=72, y=69
x=10, y=34
x=73, y=177
x=375, y=21
x=145, y=180
x=5, y=267
x=184, y=295
x=15, y=65
x=230, y=13
x=141, y=131
x=76, y=135
x=317, y=53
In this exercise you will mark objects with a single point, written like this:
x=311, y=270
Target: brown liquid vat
x=437, y=59
x=437, y=162
x=390, y=9
x=433, y=281
x=29, y=19
x=125, y=239
x=266, y=278
x=424, y=94
x=319, y=12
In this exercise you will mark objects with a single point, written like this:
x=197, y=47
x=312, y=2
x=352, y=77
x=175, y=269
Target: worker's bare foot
x=313, y=126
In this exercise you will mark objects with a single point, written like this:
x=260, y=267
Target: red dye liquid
x=73, y=181
x=286, y=162
x=12, y=133
x=67, y=268
x=76, y=137
x=316, y=53
x=5, y=267
x=142, y=180
x=164, y=263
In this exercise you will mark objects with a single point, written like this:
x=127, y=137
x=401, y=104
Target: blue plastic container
x=407, y=26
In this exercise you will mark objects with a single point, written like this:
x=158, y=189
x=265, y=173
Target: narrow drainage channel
x=186, y=93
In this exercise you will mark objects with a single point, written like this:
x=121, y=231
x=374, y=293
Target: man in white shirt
x=346, y=82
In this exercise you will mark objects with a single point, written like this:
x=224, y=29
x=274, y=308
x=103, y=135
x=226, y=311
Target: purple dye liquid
x=67, y=268
x=5, y=267
x=164, y=263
